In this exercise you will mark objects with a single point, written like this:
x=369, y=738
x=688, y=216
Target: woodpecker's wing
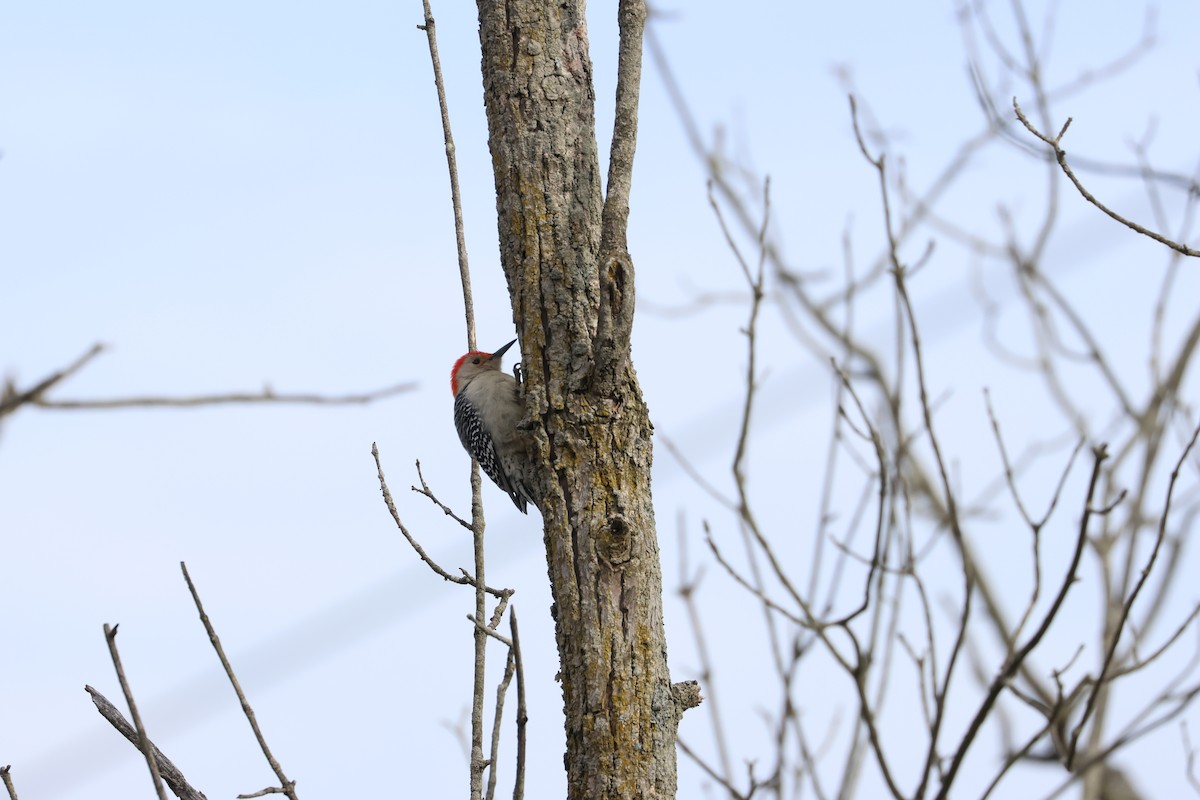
x=477, y=442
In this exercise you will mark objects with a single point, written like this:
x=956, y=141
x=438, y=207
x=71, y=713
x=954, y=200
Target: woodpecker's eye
x=475, y=360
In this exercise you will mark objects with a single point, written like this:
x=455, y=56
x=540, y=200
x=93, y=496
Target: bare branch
x=8, y=782
x=267, y=395
x=688, y=584
x=1114, y=639
x=143, y=742
x=479, y=676
x=1017, y=657
x=478, y=764
x=490, y=631
x=287, y=787
x=1062, y=335
x=1061, y=156
x=170, y=773
x=734, y=792
x=12, y=399
x=522, y=709
x=693, y=473
x=510, y=668
x=1188, y=748
x=900, y=272
x=763, y=598
x=425, y=490
x=465, y=579
x=464, y=271
x=263, y=792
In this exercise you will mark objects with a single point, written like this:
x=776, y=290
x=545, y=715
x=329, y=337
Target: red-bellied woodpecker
x=487, y=408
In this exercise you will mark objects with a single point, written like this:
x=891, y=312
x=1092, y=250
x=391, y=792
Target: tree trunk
x=570, y=278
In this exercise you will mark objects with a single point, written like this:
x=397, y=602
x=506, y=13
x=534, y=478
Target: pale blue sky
x=232, y=194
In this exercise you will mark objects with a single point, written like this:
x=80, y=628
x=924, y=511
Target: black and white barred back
x=479, y=444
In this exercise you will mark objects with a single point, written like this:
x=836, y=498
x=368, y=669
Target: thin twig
x=1181, y=702
x=465, y=579
x=143, y=742
x=1008, y=474
x=170, y=773
x=479, y=676
x=287, y=787
x=492, y=632
x=1129, y=601
x=464, y=272
x=267, y=395
x=1158, y=652
x=760, y=593
x=498, y=717
x=755, y=281
x=734, y=792
x=477, y=521
x=261, y=793
x=522, y=710
x=1018, y=656
x=1014, y=757
x=693, y=473
x=1061, y=156
x=752, y=534
x=425, y=490
x=876, y=441
x=900, y=272
x=1188, y=749
x=501, y=606
x=11, y=399
x=688, y=584
x=1035, y=526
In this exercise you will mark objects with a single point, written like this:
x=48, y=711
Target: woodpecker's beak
x=500, y=353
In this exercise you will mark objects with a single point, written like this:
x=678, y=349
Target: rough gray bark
x=563, y=247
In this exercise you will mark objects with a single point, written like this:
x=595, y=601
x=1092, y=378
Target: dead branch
x=143, y=742
x=464, y=270
x=286, y=787
x=1060, y=155
x=466, y=579
x=522, y=709
x=12, y=398
x=170, y=773
x=6, y=776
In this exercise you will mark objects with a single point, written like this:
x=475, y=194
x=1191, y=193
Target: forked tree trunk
x=563, y=247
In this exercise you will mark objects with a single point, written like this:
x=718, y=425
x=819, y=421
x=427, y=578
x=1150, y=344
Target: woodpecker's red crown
x=477, y=358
